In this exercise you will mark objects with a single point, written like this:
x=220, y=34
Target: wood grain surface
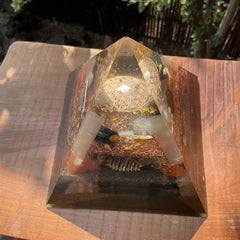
x=32, y=86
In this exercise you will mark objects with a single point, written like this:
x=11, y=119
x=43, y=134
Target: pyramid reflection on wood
x=130, y=137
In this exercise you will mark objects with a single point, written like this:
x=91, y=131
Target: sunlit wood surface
x=32, y=86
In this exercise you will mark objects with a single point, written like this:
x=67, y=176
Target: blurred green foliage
x=17, y=5
x=212, y=12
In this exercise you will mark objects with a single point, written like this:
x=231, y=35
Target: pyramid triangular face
x=125, y=63
x=123, y=86
x=133, y=125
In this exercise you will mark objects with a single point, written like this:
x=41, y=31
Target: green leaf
x=184, y=19
x=146, y=2
x=141, y=7
x=193, y=35
x=225, y=5
x=17, y=5
x=228, y=57
x=161, y=14
x=159, y=6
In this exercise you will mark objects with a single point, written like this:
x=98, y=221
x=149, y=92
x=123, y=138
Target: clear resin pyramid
x=130, y=137
x=123, y=116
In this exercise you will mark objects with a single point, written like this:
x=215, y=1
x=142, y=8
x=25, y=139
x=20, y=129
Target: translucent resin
x=130, y=137
x=123, y=113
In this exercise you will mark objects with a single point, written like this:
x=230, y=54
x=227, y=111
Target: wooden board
x=32, y=85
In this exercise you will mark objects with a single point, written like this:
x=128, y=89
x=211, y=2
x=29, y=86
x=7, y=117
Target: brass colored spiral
x=124, y=165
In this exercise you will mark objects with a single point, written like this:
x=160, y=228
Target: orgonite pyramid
x=130, y=137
